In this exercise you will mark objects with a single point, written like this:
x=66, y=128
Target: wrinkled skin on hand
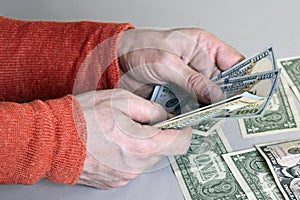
x=121, y=143
x=188, y=58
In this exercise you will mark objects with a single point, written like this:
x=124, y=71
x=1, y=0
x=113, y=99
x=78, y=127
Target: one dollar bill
x=283, y=160
x=291, y=72
x=280, y=116
x=253, y=174
x=202, y=173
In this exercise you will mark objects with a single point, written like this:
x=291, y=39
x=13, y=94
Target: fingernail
x=213, y=93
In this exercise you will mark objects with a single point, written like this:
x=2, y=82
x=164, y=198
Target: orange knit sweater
x=41, y=124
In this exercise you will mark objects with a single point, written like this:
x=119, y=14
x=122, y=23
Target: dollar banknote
x=280, y=116
x=283, y=159
x=202, y=173
x=261, y=79
x=291, y=72
x=214, y=110
x=261, y=84
x=253, y=174
x=260, y=62
x=174, y=99
x=208, y=124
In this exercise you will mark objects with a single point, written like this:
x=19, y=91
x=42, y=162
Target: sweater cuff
x=42, y=140
x=111, y=75
x=70, y=141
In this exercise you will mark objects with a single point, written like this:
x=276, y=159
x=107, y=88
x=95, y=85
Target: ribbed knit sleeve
x=41, y=140
x=42, y=60
x=42, y=64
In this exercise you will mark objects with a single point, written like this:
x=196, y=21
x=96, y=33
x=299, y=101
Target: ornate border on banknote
x=281, y=116
x=283, y=158
x=202, y=173
x=208, y=125
x=249, y=66
x=253, y=174
x=291, y=72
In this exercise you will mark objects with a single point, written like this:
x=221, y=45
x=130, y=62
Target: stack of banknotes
x=263, y=103
x=247, y=87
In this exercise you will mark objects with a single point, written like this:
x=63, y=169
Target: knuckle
x=205, y=34
x=195, y=81
x=166, y=57
x=152, y=112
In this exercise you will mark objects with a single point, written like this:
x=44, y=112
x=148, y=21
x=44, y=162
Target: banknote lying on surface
x=202, y=173
x=253, y=174
x=280, y=116
x=283, y=159
x=257, y=75
x=291, y=72
x=208, y=171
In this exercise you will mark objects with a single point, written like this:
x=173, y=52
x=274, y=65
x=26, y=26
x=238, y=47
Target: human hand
x=188, y=58
x=121, y=144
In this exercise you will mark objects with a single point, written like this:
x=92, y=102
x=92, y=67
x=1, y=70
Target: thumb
x=227, y=56
x=142, y=110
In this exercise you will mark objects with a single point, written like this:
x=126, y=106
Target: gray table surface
x=248, y=26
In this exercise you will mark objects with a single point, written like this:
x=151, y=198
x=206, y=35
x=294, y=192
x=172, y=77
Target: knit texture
x=40, y=140
x=42, y=126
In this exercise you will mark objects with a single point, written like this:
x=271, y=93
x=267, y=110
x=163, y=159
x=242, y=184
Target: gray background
x=249, y=26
